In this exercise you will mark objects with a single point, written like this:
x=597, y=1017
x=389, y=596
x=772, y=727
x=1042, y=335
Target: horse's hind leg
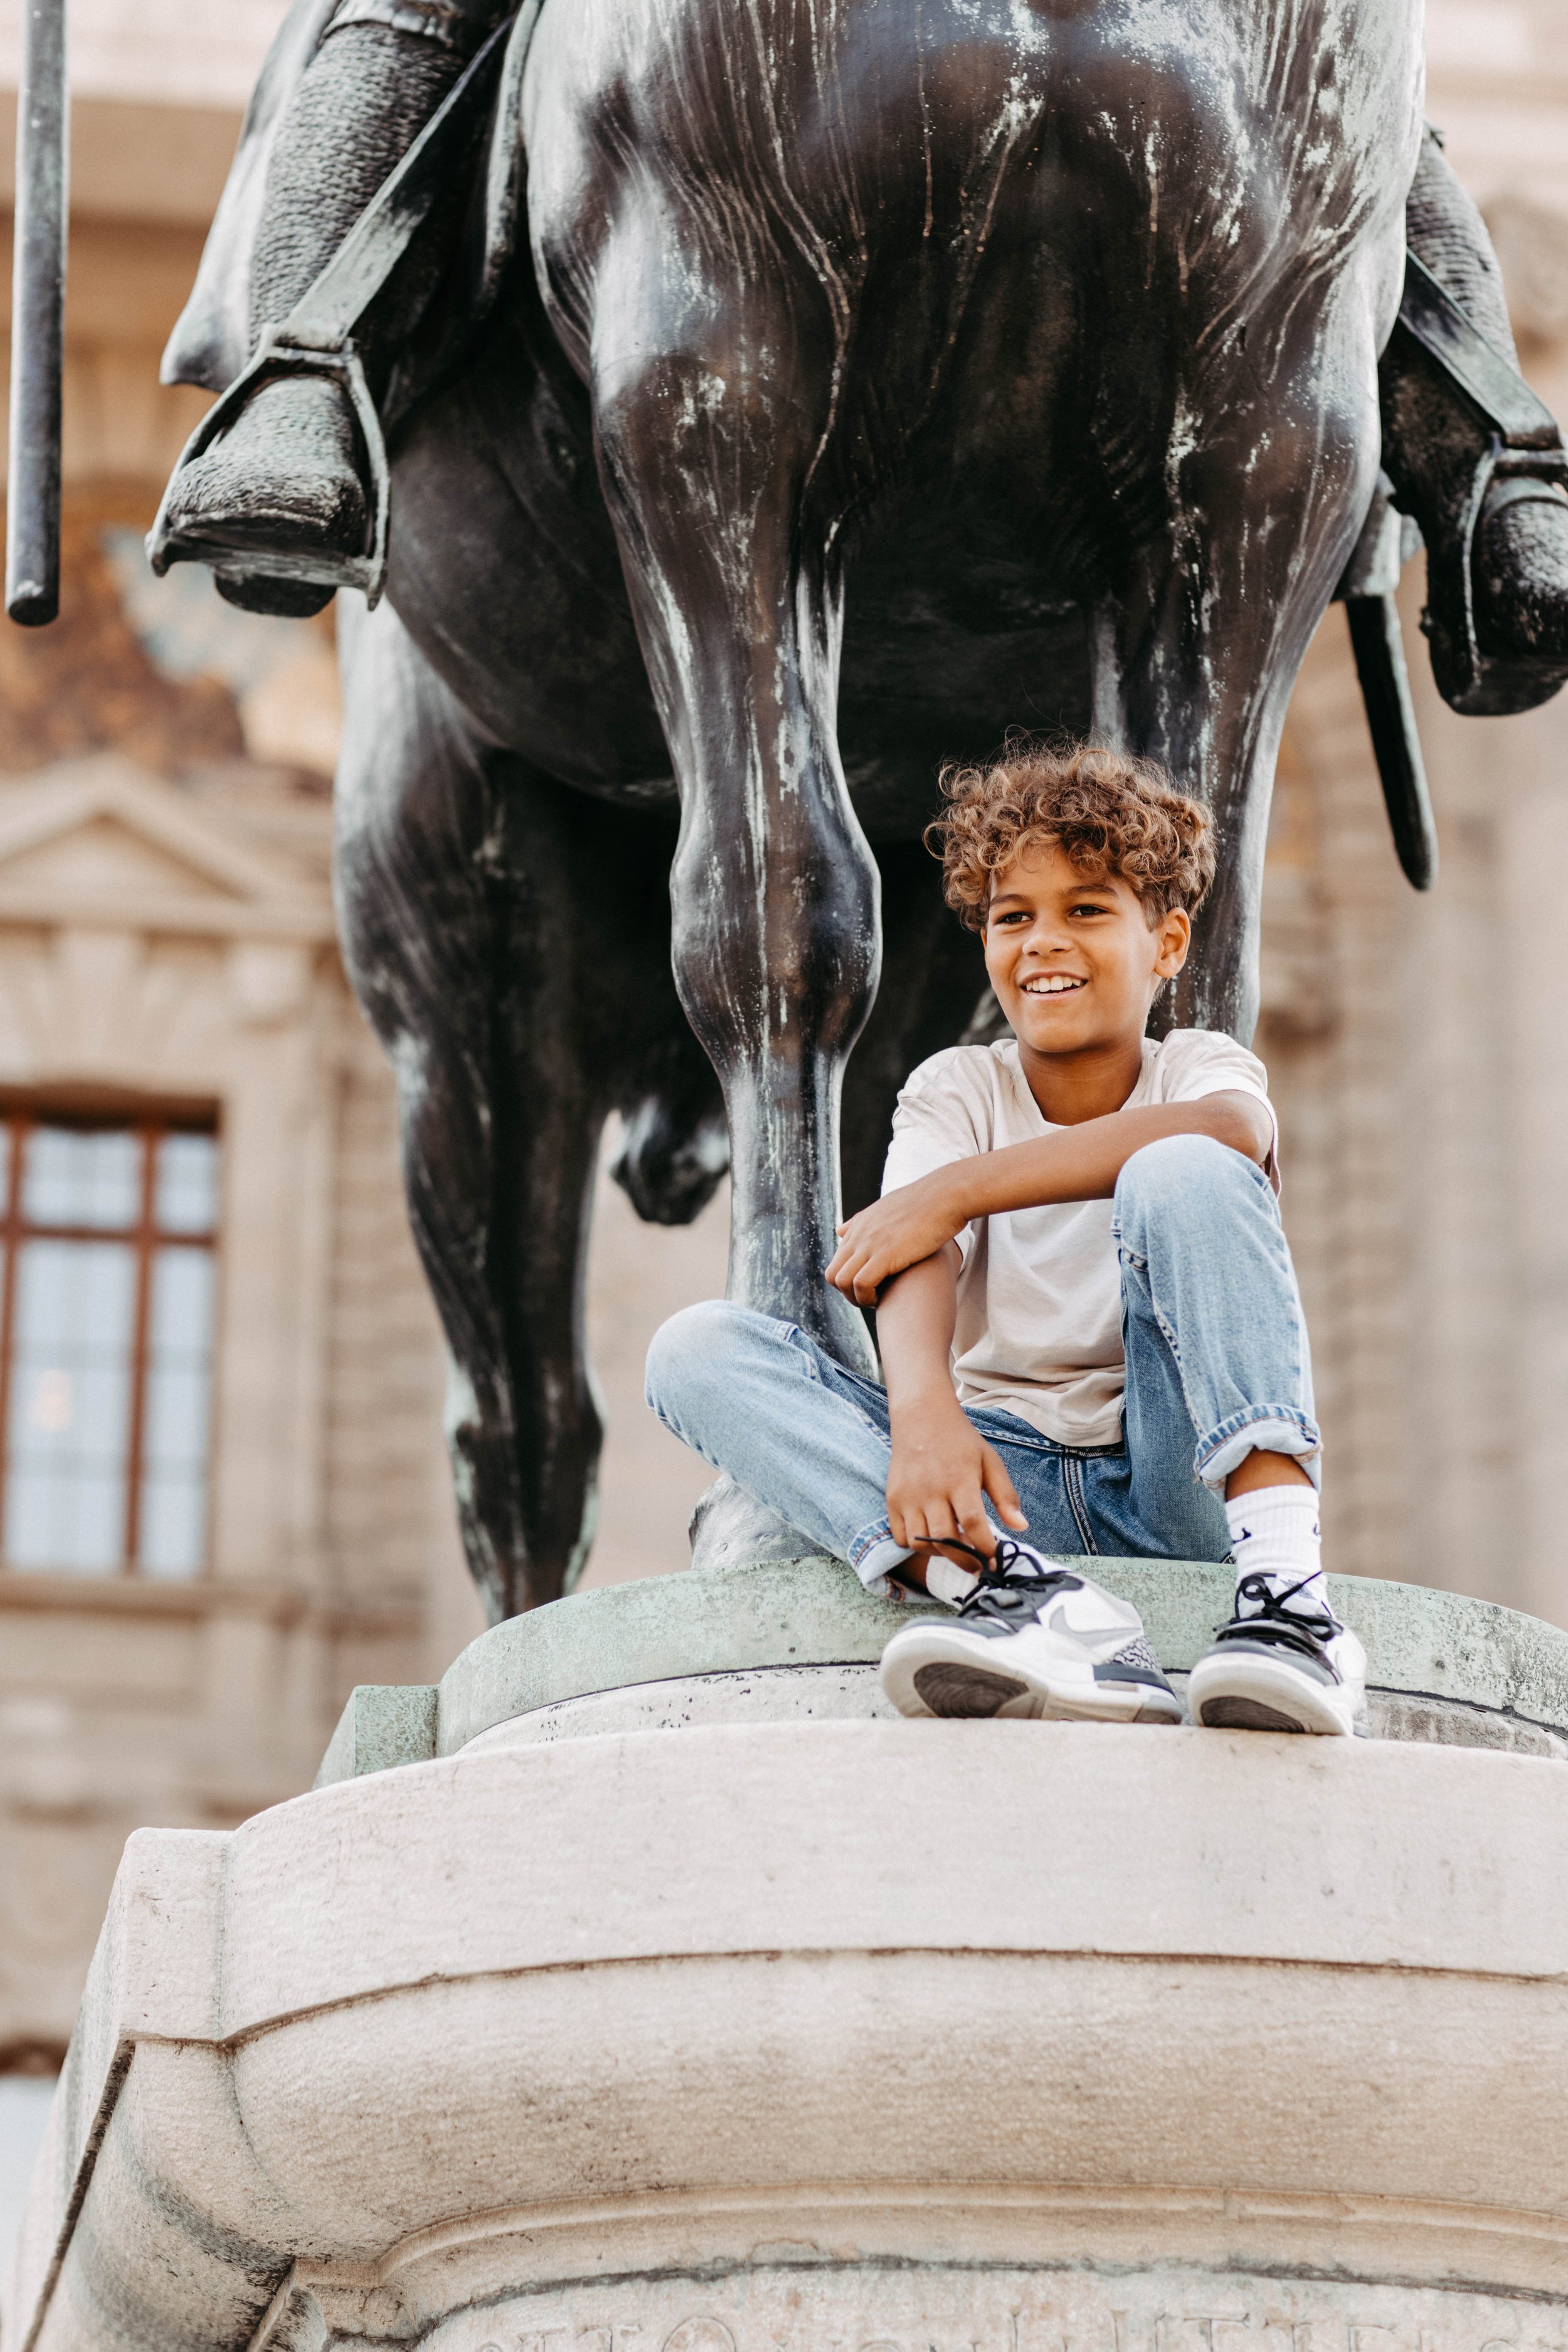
x=500, y=1098
x=708, y=424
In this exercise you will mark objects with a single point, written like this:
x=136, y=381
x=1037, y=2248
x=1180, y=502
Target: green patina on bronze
x=811, y=1612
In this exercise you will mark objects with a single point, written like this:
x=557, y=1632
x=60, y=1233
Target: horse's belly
x=995, y=245
x=1231, y=141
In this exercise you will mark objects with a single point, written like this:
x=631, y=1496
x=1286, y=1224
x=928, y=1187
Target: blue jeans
x=1217, y=1363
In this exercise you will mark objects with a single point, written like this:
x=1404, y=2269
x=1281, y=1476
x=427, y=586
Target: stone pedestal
x=676, y=2002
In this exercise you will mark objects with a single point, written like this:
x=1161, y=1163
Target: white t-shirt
x=1040, y=1296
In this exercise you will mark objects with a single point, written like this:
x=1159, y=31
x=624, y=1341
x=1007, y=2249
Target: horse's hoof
x=1520, y=573
x=283, y=481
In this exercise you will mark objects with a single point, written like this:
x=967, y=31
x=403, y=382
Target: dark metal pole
x=37, y=319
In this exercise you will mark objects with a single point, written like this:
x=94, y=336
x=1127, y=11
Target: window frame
x=148, y=1118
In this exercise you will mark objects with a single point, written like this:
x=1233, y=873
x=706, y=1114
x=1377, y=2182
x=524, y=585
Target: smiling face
x=1073, y=960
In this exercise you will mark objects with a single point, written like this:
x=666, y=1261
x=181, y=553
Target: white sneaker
x=1031, y=1640
x=1274, y=1669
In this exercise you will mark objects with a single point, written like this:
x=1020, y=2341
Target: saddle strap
x=331, y=307
x=1448, y=332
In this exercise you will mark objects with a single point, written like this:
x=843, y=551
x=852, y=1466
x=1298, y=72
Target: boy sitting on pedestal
x=1085, y=1309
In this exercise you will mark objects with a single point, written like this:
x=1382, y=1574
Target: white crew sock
x=1274, y=1533
x=945, y=1580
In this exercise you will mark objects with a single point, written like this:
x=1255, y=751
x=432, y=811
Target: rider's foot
x=284, y=479
x=1035, y=1640
x=1520, y=572
x=1275, y=1667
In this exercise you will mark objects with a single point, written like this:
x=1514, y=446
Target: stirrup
x=283, y=352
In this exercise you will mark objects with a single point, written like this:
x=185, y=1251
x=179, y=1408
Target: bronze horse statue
x=843, y=383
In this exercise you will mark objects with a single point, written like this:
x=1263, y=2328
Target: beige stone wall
x=166, y=929
x=1417, y=1043
x=148, y=940
x=1420, y=1073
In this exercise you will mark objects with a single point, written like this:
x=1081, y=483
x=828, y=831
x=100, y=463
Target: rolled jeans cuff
x=1264, y=1428
x=873, y=1552
x=447, y=22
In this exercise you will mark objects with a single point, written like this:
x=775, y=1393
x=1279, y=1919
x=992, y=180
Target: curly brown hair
x=1111, y=814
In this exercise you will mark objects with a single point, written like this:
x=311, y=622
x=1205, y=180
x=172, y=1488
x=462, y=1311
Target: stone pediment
x=102, y=842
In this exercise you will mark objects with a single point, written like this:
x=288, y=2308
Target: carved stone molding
x=769, y=2037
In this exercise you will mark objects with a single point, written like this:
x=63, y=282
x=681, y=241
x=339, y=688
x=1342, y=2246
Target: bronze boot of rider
x=289, y=475
x=1496, y=617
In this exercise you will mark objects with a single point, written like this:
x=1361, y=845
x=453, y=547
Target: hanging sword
x=37, y=319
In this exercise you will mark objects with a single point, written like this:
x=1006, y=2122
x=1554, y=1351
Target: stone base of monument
x=644, y=1990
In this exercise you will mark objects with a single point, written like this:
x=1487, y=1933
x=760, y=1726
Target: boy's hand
x=939, y=1476
x=895, y=1232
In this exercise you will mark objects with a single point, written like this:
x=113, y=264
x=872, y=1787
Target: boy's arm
x=1076, y=1163
x=941, y=1470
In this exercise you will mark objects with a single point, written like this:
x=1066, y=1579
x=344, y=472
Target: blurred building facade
x=175, y=1647
x=1419, y=1046
x=223, y=1494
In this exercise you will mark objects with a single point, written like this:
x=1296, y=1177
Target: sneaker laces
x=1308, y=1630
x=1012, y=1574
